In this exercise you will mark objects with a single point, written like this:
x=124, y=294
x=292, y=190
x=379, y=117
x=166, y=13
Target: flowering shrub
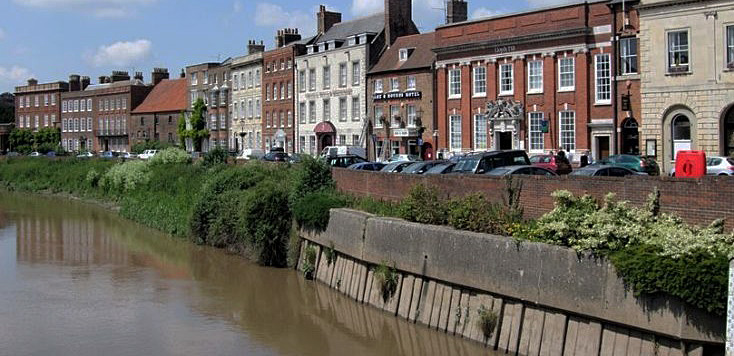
x=171, y=155
x=125, y=176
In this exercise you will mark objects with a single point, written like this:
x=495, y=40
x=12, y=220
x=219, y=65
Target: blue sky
x=50, y=39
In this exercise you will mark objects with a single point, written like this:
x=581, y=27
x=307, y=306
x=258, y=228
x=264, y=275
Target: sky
x=51, y=39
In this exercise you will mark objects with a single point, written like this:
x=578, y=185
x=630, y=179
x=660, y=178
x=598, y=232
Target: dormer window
x=403, y=54
x=352, y=41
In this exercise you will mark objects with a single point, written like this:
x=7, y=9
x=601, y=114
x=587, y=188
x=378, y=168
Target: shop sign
x=397, y=95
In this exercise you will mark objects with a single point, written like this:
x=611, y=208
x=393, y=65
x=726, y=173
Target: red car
x=544, y=161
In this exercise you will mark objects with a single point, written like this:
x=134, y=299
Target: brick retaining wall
x=697, y=201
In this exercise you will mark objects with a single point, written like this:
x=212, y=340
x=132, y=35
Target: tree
x=7, y=108
x=21, y=140
x=196, y=128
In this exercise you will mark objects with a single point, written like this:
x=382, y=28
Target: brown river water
x=76, y=279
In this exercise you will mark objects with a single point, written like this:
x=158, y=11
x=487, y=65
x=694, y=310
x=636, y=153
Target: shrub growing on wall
x=475, y=213
x=312, y=175
x=312, y=210
x=266, y=220
x=422, y=205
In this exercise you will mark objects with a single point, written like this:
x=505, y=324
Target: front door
x=630, y=137
x=504, y=140
x=602, y=147
x=325, y=141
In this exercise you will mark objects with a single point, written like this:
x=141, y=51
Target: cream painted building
x=687, y=52
x=246, y=102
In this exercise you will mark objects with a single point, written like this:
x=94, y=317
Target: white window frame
x=379, y=111
x=729, y=46
x=378, y=86
x=403, y=55
x=454, y=79
x=326, y=77
x=454, y=146
x=356, y=109
x=669, y=51
x=537, y=76
x=394, y=84
x=625, y=56
x=356, y=73
x=343, y=110
x=569, y=145
x=343, y=75
x=536, y=129
x=502, y=76
x=411, y=83
x=480, y=129
x=412, y=115
x=603, y=79
x=479, y=81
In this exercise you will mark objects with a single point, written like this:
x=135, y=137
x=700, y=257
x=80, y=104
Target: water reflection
x=86, y=282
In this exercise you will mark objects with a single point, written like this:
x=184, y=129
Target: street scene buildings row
x=648, y=77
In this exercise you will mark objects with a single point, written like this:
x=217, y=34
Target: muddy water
x=78, y=280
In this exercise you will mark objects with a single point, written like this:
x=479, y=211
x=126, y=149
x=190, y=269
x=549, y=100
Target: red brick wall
x=697, y=201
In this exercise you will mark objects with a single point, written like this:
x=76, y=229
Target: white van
x=333, y=151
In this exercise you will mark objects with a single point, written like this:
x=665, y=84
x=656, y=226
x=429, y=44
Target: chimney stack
x=85, y=82
x=456, y=11
x=398, y=20
x=286, y=36
x=183, y=73
x=75, y=83
x=32, y=81
x=138, y=76
x=118, y=76
x=158, y=75
x=327, y=19
x=254, y=47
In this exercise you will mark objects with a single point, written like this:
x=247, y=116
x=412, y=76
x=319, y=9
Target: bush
x=294, y=247
x=422, y=205
x=125, y=176
x=171, y=155
x=266, y=219
x=475, y=213
x=148, y=145
x=312, y=210
x=311, y=176
x=215, y=157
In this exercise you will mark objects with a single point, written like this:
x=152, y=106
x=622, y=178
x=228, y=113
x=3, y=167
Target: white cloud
x=14, y=75
x=98, y=8
x=272, y=15
x=484, y=12
x=548, y=3
x=366, y=7
x=121, y=53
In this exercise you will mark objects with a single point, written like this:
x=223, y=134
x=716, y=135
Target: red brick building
x=537, y=80
x=401, y=99
x=628, y=111
x=278, y=90
x=156, y=119
x=38, y=105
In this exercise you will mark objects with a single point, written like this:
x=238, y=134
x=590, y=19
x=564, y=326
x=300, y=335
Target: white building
x=246, y=101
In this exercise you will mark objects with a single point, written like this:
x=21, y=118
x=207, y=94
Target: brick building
x=210, y=82
x=537, y=80
x=156, y=118
x=401, y=99
x=38, y=105
x=95, y=117
x=332, y=75
x=246, y=100
x=278, y=89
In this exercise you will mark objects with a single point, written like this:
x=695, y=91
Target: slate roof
x=169, y=95
x=422, y=56
x=340, y=31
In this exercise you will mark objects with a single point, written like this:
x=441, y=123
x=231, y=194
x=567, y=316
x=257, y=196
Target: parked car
x=128, y=155
x=147, y=154
x=544, y=161
x=333, y=151
x=527, y=170
x=396, y=167
x=108, y=155
x=344, y=161
x=421, y=167
x=404, y=157
x=35, y=154
x=51, y=154
x=635, y=163
x=275, y=156
x=251, y=153
x=85, y=155
x=606, y=171
x=13, y=154
x=295, y=158
x=367, y=166
x=442, y=168
x=480, y=163
x=716, y=166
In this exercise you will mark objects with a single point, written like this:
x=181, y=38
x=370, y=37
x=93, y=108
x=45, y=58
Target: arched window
x=681, y=130
x=729, y=133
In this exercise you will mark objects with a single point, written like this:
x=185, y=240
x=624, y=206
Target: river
x=76, y=279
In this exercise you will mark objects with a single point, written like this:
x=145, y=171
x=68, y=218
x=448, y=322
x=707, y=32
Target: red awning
x=325, y=127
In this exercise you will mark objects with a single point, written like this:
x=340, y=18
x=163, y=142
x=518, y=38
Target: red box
x=690, y=164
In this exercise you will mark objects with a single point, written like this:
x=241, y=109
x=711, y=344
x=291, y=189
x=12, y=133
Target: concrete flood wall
x=548, y=300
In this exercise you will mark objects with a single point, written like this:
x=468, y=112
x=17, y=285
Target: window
x=302, y=144
x=45, y=120
x=267, y=92
x=355, y=73
x=249, y=109
x=275, y=91
x=89, y=124
x=378, y=116
x=302, y=113
x=267, y=119
x=63, y=105
x=480, y=81
x=355, y=109
x=729, y=47
x=480, y=132
x=290, y=118
x=89, y=104
x=282, y=91
x=536, y=131
x=355, y=140
x=311, y=144
x=289, y=64
x=194, y=80
x=236, y=83
x=628, y=55
x=506, y=79
x=342, y=75
x=394, y=115
x=243, y=81
x=45, y=100
x=84, y=125
x=53, y=99
x=343, y=109
x=327, y=110
x=124, y=103
x=394, y=84
x=312, y=79
x=302, y=81
x=290, y=90
x=411, y=82
x=603, y=79
x=36, y=101
x=257, y=78
x=327, y=77
x=83, y=105
x=455, y=133
x=378, y=85
x=678, y=58
x=312, y=111
x=403, y=54
x=250, y=81
x=282, y=119
x=681, y=130
x=535, y=77
x=454, y=83
x=568, y=130
x=411, y=115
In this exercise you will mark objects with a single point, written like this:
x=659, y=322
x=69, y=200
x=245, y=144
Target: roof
x=168, y=95
x=422, y=56
x=368, y=24
x=120, y=83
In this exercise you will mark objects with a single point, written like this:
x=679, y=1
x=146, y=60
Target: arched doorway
x=727, y=136
x=427, y=150
x=325, y=135
x=681, y=129
x=630, y=137
x=679, y=133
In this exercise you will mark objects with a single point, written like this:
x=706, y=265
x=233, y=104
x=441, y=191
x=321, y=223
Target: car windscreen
x=413, y=167
x=468, y=164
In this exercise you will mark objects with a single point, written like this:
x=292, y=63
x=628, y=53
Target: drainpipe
x=615, y=101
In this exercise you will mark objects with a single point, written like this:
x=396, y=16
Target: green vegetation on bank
x=255, y=210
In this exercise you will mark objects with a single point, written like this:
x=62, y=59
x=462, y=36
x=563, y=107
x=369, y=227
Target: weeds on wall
x=387, y=280
x=487, y=321
x=309, y=262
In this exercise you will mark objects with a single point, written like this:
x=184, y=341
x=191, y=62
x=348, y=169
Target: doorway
x=728, y=139
x=325, y=141
x=602, y=147
x=504, y=140
x=630, y=137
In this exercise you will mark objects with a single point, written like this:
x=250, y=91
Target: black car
x=527, y=170
x=367, y=166
x=606, y=171
x=421, y=167
x=443, y=168
x=344, y=161
x=480, y=163
x=274, y=156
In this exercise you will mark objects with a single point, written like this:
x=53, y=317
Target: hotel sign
x=397, y=95
x=411, y=132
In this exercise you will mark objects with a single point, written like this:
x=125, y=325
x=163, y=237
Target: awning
x=324, y=127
